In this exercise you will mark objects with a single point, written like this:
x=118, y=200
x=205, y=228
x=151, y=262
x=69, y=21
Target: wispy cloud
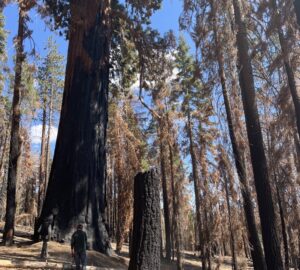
x=36, y=133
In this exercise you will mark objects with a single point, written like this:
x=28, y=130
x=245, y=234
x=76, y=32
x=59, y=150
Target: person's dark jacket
x=79, y=241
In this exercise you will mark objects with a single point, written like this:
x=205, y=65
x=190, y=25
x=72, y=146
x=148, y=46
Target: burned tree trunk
x=256, y=251
x=15, y=139
x=145, y=253
x=256, y=144
x=76, y=185
x=162, y=141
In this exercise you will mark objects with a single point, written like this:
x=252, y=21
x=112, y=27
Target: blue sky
x=163, y=20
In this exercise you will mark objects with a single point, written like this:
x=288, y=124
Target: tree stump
x=145, y=253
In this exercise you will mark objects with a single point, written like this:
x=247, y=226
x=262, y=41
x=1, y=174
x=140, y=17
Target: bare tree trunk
x=256, y=251
x=76, y=185
x=280, y=199
x=162, y=141
x=232, y=238
x=48, y=146
x=176, y=214
x=196, y=189
x=146, y=225
x=42, y=178
x=15, y=139
x=258, y=157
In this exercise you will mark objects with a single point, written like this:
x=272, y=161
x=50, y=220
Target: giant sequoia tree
x=77, y=178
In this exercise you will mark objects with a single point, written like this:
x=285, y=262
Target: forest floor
x=25, y=255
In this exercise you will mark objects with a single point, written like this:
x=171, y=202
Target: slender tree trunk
x=206, y=230
x=146, y=225
x=256, y=251
x=295, y=92
x=176, y=214
x=76, y=185
x=232, y=238
x=283, y=227
x=4, y=151
x=259, y=162
x=15, y=139
x=196, y=189
x=42, y=157
x=165, y=190
x=48, y=146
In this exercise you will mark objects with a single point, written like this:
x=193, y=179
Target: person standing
x=78, y=247
x=45, y=231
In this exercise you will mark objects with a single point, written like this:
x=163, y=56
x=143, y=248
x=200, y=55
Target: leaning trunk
x=258, y=157
x=76, y=187
x=15, y=139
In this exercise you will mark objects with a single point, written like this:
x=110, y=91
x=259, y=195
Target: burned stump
x=146, y=235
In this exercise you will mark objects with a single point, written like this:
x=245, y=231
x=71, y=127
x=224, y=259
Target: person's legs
x=44, y=250
x=77, y=260
x=83, y=260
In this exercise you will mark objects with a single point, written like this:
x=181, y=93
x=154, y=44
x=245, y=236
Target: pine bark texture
x=258, y=157
x=77, y=179
x=15, y=139
x=146, y=238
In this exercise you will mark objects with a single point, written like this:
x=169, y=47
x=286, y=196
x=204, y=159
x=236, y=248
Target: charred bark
x=76, y=185
x=145, y=252
x=280, y=199
x=15, y=139
x=256, y=251
x=256, y=144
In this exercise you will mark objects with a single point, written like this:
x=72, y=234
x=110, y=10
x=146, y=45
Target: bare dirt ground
x=25, y=255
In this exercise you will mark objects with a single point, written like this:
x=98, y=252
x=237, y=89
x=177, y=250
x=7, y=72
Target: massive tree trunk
x=256, y=251
x=196, y=180
x=77, y=180
x=145, y=253
x=259, y=162
x=15, y=139
x=162, y=142
x=295, y=92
